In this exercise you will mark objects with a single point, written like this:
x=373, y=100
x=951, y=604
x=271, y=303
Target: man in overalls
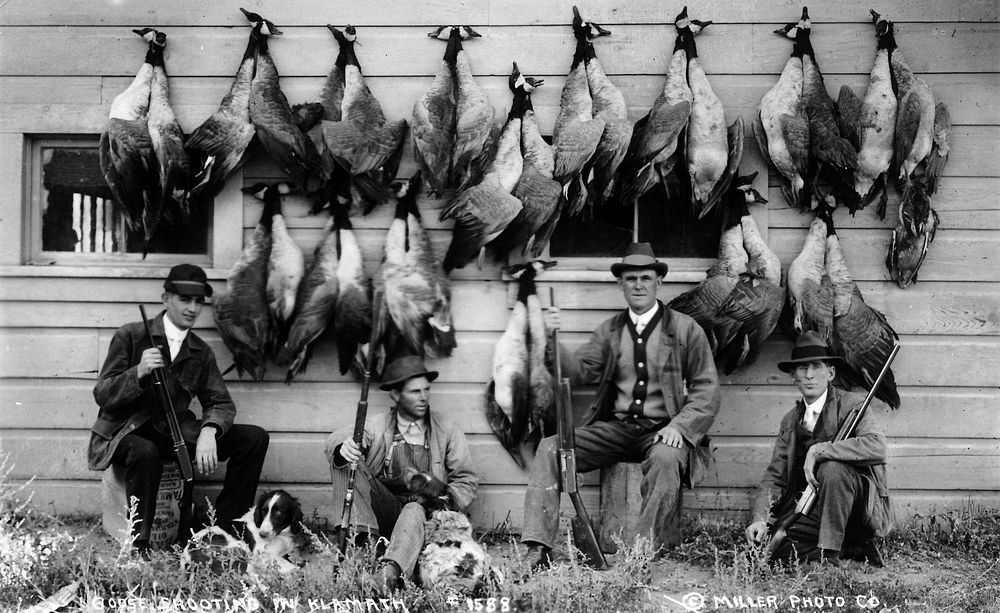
x=409, y=435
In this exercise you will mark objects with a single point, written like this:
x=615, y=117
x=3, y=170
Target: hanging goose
x=128, y=161
x=316, y=300
x=861, y=334
x=910, y=240
x=361, y=140
x=810, y=291
x=285, y=263
x=835, y=158
x=782, y=127
x=703, y=302
x=609, y=105
x=652, y=152
x=241, y=312
x=483, y=211
x=915, y=115
x=759, y=296
x=168, y=144
x=352, y=323
x=453, y=119
x=577, y=131
x=512, y=392
x=871, y=123
x=412, y=298
x=538, y=192
x=271, y=115
x=711, y=161
x=541, y=391
x=218, y=146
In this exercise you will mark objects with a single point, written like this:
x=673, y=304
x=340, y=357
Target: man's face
x=413, y=400
x=639, y=288
x=182, y=310
x=813, y=378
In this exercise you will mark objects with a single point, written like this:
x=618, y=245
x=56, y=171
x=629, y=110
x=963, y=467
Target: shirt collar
x=816, y=407
x=403, y=424
x=646, y=317
x=172, y=332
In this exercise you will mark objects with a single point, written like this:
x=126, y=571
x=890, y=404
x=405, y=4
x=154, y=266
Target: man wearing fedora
x=131, y=429
x=410, y=436
x=657, y=396
x=852, y=498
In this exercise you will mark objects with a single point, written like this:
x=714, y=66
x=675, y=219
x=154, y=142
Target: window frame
x=224, y=242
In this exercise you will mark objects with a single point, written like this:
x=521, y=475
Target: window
x=75, y=219
x=666, y=223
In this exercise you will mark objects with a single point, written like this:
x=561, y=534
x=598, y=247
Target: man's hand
x=350, y=451
x=553, y=321
x=809, y=466
x=151, y=358
x=669, y=435
x=757, y=531
x=206, y=455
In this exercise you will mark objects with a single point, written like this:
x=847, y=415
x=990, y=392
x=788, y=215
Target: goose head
x=519, y=83
x=587, y=29
x=745, y=185
x=262, y=27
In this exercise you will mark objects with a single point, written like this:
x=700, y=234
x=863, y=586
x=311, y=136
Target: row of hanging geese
x=506, y=188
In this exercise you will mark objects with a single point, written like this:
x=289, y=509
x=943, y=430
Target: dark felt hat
x=403, y=369
x=639, y=256
x=188, y=280
x=809, y=347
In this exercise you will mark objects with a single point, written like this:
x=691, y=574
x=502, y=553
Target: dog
x=451, y=556
x=274, y=524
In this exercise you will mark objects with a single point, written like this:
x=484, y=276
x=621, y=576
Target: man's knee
x=665, y=458
x=255, y=436
x=835, y=472
x=142, y=452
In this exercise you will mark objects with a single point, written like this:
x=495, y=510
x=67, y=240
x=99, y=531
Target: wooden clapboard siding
x=56, y=322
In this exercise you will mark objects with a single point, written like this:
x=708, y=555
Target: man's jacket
x=451, y=460
x=866, y=451
x=688, y=377
x=125, y=403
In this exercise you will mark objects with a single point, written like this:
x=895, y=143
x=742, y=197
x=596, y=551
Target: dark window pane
x=667, y=224
x=79, y=214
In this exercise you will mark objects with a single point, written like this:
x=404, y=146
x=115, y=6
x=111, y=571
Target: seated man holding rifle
x=657, y=396
x=411, y=459
x=845, y=470
x=133, y=429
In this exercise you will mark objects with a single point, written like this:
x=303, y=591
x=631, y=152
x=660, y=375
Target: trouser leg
x=244, y=446
x=143, y=468
x=407, y=539
x=836, y=513
x=660, y=487
x=597, y=445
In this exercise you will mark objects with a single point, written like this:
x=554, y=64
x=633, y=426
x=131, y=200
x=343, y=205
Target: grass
x=946, y=562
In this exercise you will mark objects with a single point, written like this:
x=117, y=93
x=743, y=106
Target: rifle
x=359, y=435
x=583, y=530
x=167, y=406
x=807, y=497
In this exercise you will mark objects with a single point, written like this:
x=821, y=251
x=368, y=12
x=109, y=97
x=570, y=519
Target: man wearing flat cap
x=131, y=429
x=657, y=396
x=409, y=438
x=852, y=497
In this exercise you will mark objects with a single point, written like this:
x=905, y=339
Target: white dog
x=451, y=556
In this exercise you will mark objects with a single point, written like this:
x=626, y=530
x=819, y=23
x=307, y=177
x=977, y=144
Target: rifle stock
x=583, y=529
x=807, y=497
x=167, y=406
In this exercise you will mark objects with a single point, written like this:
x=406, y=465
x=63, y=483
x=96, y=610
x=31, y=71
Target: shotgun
x=359, y=435
x=807, y=498
x=167, y=406
x=583, y=530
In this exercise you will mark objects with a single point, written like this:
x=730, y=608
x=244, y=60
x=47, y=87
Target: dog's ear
x=296, y=519
x=258, y=509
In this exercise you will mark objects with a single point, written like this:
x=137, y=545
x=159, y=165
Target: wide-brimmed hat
x=403, y=369
x=188, y=280
x=639, y=256
x=809, y=347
